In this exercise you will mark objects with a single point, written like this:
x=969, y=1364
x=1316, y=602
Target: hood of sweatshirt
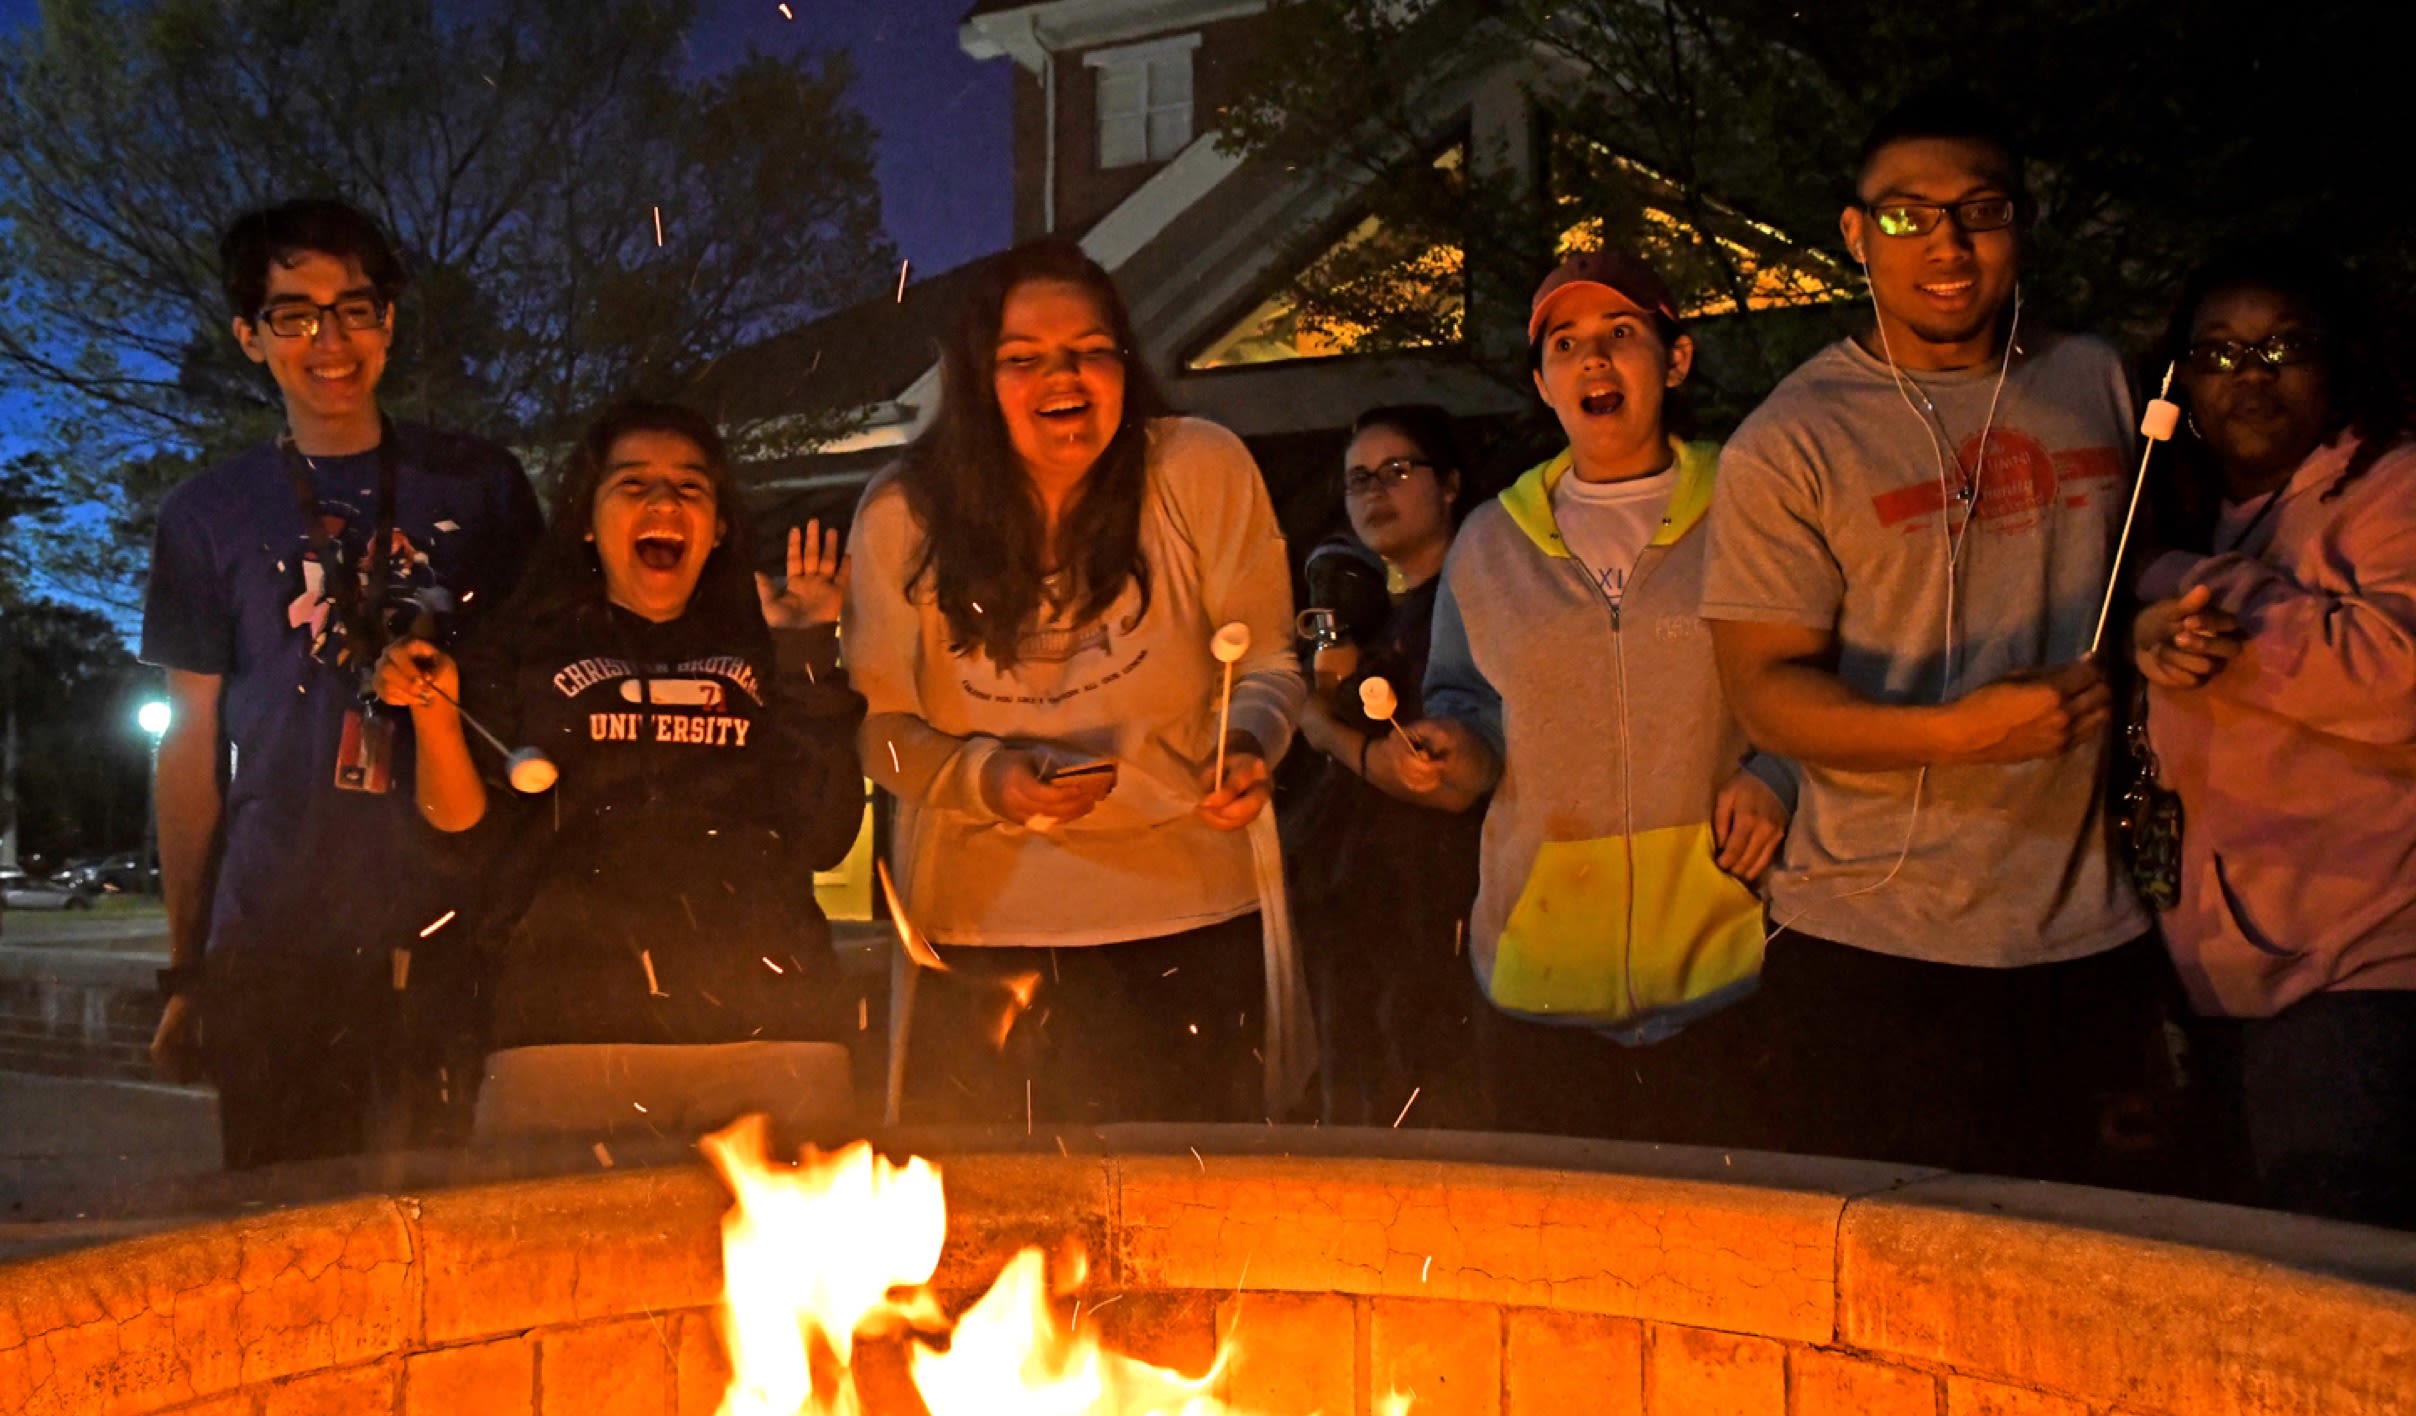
x=1529, y=499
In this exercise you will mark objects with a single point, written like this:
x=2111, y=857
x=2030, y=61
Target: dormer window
x=1144, y=100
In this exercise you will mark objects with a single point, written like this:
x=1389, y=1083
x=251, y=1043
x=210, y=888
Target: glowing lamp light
x=152, y=717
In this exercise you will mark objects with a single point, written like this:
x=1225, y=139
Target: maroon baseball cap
x=1616, y=271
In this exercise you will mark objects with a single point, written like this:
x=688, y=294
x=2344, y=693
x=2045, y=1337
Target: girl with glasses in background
x=1382, y=881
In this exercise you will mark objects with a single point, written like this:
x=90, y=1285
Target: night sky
x=942, y=118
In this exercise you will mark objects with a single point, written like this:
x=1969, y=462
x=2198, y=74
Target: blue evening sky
x=942, y=119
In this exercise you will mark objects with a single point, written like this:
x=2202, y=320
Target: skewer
x=2156, y=423
x=1377, y=700
x=528, y=770
x=1228, y=645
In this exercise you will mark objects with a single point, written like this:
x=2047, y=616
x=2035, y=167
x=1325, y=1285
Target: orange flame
x=844, y=1245
x=1021, y=989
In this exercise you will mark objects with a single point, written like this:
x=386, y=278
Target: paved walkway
x=134, y=928
x=79, y=1158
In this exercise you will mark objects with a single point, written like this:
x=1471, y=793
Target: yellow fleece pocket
x=1567, y=949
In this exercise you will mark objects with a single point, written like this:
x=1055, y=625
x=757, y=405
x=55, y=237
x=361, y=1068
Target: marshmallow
x=531, y=771
x=2159, y=420
x=1230, y=643
x=1377, y=700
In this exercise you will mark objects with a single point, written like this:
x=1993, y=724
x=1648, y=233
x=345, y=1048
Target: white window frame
x=1132, y=63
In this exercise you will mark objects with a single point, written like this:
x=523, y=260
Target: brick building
x=1113, y=142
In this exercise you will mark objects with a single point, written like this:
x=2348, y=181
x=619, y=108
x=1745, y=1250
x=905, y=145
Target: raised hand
x=816, y=584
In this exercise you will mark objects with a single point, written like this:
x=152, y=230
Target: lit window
x=1144, y=100
x=1716, y=260
x=1375, y=290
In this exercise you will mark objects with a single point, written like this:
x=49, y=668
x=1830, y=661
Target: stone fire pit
x=1508, y=1276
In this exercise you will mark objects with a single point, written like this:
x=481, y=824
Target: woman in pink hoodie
x=2279, y=647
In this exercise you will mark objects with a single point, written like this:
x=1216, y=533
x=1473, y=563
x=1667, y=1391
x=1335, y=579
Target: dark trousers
x=1397, y=1016
x=294, y=1042
x=2053, y=1072
x=1709, y=1085
x=2318, y=1105
x=1164, y=1029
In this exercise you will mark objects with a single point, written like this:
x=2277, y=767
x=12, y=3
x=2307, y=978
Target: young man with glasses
x=1909, y=542
x=297, y=880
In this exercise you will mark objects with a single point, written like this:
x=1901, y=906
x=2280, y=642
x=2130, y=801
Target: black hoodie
x=663, y=891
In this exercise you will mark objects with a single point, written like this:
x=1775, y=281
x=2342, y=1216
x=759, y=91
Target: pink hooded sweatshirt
x=2296, y=764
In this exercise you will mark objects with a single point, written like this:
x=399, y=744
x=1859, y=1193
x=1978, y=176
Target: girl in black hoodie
x=663, y=966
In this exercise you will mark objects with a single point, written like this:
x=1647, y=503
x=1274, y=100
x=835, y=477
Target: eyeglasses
x=1391, y=472
x=1921, y=218
x=2274, y=351
x=301, y=319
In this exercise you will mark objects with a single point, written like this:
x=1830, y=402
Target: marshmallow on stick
x=528, y=769
x=2156, y=424
x=1228, y=645
x=1377, y=700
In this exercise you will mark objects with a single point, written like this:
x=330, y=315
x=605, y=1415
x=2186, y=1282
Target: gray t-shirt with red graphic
x=1841, y=504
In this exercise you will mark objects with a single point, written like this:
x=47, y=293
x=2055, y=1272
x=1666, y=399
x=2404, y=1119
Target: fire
x=845, y=1245
x=810, y=1257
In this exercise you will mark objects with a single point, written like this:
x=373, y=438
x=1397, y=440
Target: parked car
x=122, y=874
x=21, y=891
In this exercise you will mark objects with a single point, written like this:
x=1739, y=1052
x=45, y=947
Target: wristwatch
x=179, y=979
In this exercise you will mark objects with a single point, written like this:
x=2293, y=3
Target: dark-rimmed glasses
x=1391, y=472
x=1921, y=218
x=2279, y=350
x=301, y=319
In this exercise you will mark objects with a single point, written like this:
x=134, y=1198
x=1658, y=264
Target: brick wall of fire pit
x=1561, y=1279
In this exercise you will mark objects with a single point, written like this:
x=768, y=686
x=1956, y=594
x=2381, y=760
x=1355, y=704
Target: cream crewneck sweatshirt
x=1138, y=686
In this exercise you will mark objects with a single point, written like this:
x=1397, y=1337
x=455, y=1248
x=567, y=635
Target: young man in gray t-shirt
x=1908, y=544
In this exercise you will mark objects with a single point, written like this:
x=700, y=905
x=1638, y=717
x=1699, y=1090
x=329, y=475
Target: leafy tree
x=522, y=153
x=67, y=690
x=2155, y=135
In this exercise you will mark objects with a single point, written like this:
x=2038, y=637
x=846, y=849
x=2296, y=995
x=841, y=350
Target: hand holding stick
x=408, y=672
x=2157, y=423
x=1228, y=645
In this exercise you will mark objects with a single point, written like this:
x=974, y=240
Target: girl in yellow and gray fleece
x=1571, y=677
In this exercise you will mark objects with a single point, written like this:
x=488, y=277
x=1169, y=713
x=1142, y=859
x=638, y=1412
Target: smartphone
x=1076, y=771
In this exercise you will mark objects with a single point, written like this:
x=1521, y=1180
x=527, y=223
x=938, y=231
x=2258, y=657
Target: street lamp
x=152, y=717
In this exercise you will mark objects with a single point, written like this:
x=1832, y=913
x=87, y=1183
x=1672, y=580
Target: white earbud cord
x=1952, y=541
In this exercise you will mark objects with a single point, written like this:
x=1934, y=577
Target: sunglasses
x=2274, y=351
x=1921, y=218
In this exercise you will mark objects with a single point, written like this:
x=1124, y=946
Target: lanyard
x=357, y=607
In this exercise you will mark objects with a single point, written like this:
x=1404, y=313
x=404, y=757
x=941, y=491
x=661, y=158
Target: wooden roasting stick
x=2157, y=423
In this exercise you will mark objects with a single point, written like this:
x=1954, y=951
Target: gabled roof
x=1029, y=30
